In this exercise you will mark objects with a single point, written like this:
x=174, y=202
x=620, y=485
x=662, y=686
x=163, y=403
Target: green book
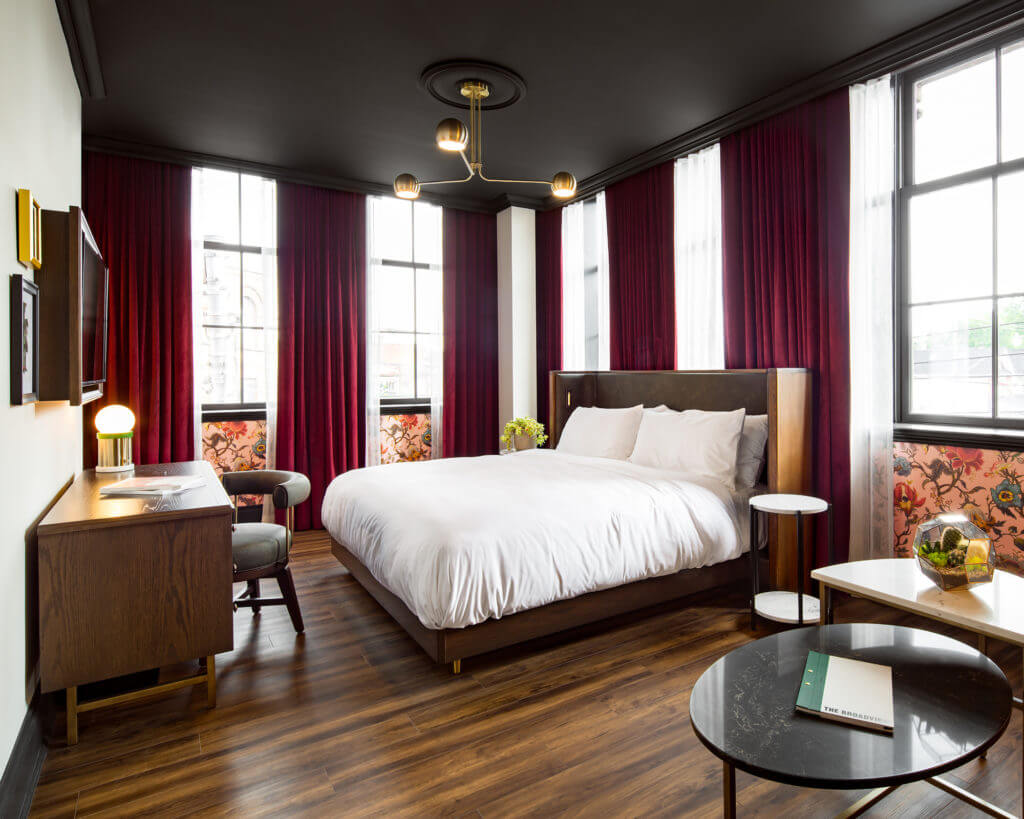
x=845, y=690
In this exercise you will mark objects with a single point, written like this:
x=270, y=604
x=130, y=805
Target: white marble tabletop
x=994, y=609
x=789, y=504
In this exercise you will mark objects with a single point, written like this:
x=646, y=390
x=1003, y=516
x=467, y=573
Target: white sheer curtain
x=585, y=298
x=604, y=339
x=700, y=334
x=872, y=174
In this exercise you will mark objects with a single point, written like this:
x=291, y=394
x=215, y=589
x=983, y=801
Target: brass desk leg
x=211, y=682
x=72, y=702
x=728, y=791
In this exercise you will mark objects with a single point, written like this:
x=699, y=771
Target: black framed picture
x=24, y=340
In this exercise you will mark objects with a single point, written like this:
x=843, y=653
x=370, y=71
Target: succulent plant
x=956, y=557
x=951, y=539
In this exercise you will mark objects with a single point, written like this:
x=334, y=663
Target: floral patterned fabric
x=234, y=446
x=404, y=438
x=984, y=483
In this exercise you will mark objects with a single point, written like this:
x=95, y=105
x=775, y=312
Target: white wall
x=40, y=444
x=517, y=316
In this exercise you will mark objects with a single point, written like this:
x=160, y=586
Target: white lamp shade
x=114, y=419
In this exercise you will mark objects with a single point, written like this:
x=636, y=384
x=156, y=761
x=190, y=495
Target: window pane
x=428, y=233
x=429, y=356
x=951, y=359
x=258, y=211
x=951, y=243
x=1011, y=358
x=218, y=204
x=254, y=383
x=396, y=365
x=955, y=120
x=428, y=301
x=1013, y=101
x=218, y=356
x=1011, y=233
x=222, y=283
x=391, y=229
x=256, y=278
x=393, y=298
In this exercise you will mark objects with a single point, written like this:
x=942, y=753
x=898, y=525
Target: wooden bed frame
x=783, y=394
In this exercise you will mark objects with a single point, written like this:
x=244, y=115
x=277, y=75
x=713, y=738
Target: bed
x=547, y=541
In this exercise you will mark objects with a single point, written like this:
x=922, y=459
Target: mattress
x=464, y=540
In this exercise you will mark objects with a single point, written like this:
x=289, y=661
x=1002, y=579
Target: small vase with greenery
x=523, y=433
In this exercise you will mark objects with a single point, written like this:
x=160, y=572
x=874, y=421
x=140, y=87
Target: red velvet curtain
x=321, y=362
x=470, y=425
x=641, y=270
x=785, y=226
x=140, y=213
x=549, y=305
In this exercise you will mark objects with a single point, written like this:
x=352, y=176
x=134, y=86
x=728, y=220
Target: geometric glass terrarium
x=954, y=553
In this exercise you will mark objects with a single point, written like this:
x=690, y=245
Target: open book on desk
x=147, y=487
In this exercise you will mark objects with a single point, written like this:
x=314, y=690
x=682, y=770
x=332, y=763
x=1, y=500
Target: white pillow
x=753, y=440
x=701, y=443
x=600, y=432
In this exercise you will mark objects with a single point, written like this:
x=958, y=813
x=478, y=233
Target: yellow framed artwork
x=30, y=230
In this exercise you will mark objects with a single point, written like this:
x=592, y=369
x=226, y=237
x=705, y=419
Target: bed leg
x=456, y=666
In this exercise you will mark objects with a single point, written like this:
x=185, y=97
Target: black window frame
x=416, y=403
x=236, y=410
x=917, y=424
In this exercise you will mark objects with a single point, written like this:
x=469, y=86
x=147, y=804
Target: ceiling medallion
x=478, y=87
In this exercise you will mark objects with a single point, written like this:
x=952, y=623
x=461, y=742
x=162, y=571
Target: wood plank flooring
x=352, y=719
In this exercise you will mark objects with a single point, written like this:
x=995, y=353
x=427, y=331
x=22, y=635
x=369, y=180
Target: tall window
x=405, y=316
x=961, y=288
x=234, y=223
x=585, y=335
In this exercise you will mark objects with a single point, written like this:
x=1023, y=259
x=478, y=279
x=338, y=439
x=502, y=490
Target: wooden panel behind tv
x=60, y=308
x=784, y=395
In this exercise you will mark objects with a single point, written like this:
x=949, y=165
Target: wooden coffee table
x=743, y=710
x=993, y=609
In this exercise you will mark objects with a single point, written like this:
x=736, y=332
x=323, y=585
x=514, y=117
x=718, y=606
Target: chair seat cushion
x=258, y=546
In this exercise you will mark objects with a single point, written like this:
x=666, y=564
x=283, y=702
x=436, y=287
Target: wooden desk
x=129, y=584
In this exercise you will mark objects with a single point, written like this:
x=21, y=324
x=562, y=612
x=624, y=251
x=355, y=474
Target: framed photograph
x=24, y=340
x=30, y=230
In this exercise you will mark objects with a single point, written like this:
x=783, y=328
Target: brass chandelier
x=453, y=135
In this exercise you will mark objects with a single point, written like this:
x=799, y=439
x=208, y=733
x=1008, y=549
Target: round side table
x=784, y=606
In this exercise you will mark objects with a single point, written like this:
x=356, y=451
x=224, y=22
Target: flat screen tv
x=94, y=282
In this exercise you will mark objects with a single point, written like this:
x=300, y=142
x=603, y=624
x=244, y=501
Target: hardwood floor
x=353, y=719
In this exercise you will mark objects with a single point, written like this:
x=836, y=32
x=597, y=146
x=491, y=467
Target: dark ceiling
x=331, y=87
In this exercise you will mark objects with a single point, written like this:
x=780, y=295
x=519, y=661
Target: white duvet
x=463, y=540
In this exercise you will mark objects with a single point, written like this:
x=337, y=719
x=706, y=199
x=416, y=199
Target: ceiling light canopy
x=453, y=135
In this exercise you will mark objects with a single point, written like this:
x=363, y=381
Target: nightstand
x=784, y=606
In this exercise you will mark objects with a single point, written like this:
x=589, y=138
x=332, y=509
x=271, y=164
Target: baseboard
x=18, y=785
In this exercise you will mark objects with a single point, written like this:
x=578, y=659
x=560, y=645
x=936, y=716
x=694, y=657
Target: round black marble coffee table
x=951, y=703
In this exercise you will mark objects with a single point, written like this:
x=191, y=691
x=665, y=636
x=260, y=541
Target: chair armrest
x=291, y=492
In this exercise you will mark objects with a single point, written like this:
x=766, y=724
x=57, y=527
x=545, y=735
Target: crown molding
x=956, y=28
x=175, y=156
x=76, y=21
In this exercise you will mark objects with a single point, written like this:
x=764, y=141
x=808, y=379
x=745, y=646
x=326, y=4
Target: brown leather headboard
x=784, y=395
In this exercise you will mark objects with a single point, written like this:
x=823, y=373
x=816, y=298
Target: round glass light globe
x=115, y=418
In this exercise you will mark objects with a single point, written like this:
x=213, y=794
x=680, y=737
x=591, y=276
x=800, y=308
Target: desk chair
x=260, y=550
